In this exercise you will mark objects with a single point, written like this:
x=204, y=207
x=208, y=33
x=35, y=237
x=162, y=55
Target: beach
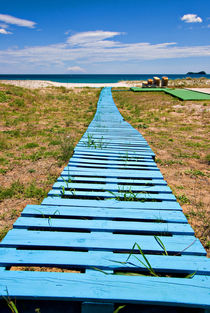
x=199, y=84
x=34, y=84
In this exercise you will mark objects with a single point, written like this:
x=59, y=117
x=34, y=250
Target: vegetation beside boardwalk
x=177, y=131
x=39, y=129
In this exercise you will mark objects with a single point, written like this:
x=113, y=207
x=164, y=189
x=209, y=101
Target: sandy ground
x=204, y=90
x=33, y=84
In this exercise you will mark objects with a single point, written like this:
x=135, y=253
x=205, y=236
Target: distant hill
x=198, y=73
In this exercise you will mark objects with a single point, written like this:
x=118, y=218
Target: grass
x=39, y=131
x=177, y=131
x=95, y=143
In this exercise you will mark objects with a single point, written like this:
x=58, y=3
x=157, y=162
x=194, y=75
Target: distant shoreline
x=178, y=83
x=94, y=78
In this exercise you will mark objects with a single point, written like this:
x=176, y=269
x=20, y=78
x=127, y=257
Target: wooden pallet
x=109, y=197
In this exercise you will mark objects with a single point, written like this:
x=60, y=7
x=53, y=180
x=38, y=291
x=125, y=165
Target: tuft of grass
x=18, y=190
x=3, y=232
x=194, y=173
x=31, y=145
x=183, y=199
x=18, y=103
x=66, y=148
x=3, y=97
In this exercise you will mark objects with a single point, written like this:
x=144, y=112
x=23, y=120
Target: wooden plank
x=103, y=213
x=113, y=187
x=71, y=170
x=186, y=245
x=112, y=180
x=116, y=154
x=111, y=203
x=114, y=166
x=94, y=194
x=124, y=162
x=106, y=288
x=103, y=225
x=103, y=260
x=119, y=152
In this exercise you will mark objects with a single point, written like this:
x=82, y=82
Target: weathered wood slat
x=104, y=225
x=186, y=245
x=112, y=180
x=103, y=260
x=111, y=203
x=103, y=213
x=81, y=287
x=121, y=188
x=71, y=170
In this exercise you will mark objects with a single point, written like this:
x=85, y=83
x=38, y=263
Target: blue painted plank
x=104, y=260
x=112, y=187
x=186, y=245
x=141, y=196
x=112, y=173
x=112, y=180
x=124, y=161
x=114, y=166
x=113, y=155
x=103, y=213
x=111, y=203
x=82, y=287
x=104, y=225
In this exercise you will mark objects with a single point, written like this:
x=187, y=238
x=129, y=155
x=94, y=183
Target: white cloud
x=16, y=21
x=94, y=49
x=4, y=31
x=92, y=37
x=191, y=18
x=76, y=69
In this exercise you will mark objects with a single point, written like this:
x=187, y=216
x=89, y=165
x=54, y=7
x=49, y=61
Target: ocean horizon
x=94, y=78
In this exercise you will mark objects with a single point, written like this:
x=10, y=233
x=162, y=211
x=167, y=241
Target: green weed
x=67, y=148
x=3, y=97
x=183, y=199
x=124, y=195
x=3, y=232
x=31, y=145
x=194, y=173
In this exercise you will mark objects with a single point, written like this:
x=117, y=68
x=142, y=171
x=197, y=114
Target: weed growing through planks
x=119, y=308
x=143, y=262
x=13, y=306
x=97, y=144
x=10, y=303
x=90, y=141
x=67, y=181
x=128, y=195
x=124, y=195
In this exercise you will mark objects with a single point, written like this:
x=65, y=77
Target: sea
x=93, y=78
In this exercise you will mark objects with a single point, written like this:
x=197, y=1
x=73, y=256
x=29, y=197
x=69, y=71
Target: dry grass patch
x=177, y=131
x=39, y=129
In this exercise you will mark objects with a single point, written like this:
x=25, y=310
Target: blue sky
x=104, y=36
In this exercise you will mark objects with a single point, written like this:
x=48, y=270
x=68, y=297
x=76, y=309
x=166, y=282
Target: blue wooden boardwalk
x=109, y=197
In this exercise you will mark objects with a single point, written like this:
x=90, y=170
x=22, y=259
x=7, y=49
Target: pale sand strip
x=204, y=90
x=33, y=84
